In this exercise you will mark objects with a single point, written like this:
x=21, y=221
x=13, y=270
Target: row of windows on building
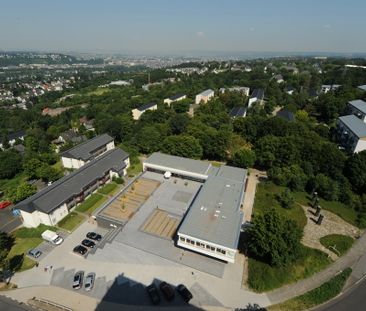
x=204, y=246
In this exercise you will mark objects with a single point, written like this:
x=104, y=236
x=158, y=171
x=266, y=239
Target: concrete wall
x=208, y=248
x=360, y=146
x=72, y=163
x=203, y=99
x=30, y=220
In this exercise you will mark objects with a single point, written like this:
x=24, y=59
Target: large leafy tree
x=184, y=146
x=23, y=191
x=274, y=239
x=243, y=158
x=6, y=242
x=355, y=170
x=10, y=164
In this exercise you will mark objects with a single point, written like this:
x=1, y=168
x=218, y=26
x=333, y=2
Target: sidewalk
x=355, y=258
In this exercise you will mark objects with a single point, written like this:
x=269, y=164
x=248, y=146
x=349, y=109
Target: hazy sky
x=183, y=25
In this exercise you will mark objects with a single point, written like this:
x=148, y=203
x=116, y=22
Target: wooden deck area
x=162, y=224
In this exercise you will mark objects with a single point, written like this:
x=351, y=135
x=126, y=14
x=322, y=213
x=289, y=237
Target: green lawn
x=338, y=208
x=71, y=221
x=20, y=248
x=262, y=277
x=317, y=296
x=91, y=203
x=134, y=169
x=337, y=243
x=32, y=232
x=265, y=199
x=108, y=188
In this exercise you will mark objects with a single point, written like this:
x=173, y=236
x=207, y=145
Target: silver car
x=89, y=281
x=35, y=253
x=78, y=280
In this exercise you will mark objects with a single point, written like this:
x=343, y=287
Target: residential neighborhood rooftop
x=238, y=111
x=358, y=104
x=146, y=106
x=362, y=87
x=258, y=93
x=206, y=92
x=176, y=96
x=357, y=126
x=60, y=191
x=286, y=114
x=84, y=151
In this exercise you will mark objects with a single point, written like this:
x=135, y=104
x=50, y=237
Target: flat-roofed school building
x=213, y=221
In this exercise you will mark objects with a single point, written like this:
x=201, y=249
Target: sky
x=183, y=26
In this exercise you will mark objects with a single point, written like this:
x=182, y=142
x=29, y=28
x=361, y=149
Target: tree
x=23, y=191
x=31, y=166
x=10, y=164
x=285, y=199
x=183, y=145
x=355, y=171
x=48, y=173
x=149, y=139
x=292, y=177
x=6, y=242
x=243, y=158
x=326, y=187
x=274, y=239
x=178, y=123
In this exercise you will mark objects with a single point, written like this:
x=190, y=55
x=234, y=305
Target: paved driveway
x=8, y=222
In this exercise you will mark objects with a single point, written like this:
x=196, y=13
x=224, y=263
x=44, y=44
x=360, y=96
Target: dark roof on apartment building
x=16, y=135
x=84, y=151
x=286, y=114
x=176, y=96
x=359, y=104
x=51, y=197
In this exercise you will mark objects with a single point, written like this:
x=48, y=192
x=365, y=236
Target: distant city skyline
x=184, y=27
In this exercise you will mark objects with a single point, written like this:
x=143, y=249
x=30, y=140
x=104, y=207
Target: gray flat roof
x=357, y=126
x=68, y=186
x=84, y=151
x=180, y=163
x=215, y=214
x=362, y=87
x=358, y=104
x=206, y=92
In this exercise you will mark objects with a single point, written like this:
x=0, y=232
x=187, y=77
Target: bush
x=285, y=199
x=337, y=243
x=118, y=180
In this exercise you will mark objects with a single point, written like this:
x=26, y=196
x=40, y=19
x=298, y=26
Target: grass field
x=338, y=208
x=337, y=243
x=265, y=199
x=262, y=277
x=108, y=188
x=91, y=203
x=319, y=295
x=134, y=169
x=71, y=221
x=20, y=248
x=32, y=232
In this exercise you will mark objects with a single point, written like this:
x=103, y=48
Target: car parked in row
x=94, y=236
x=5, y=204
x=88, y=243
x=153, y=292
x=89, y=281
x=184, y=292
x=167, y=291
x=81, y=250
x=78, y=280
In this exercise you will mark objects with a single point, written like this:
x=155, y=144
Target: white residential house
x=351, y=133
x=257, y=96
x=87, y=151
x=13, y=137
x=136, y=113
x=174, y=98
x=204, y=97
x=278, y=78
x=358, y=108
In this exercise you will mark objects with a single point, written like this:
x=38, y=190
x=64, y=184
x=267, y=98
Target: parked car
x=80, y=250
x=184, y=292
x=94, y=236
x=89, y=281
x=35, y=253
x=5, y=204
x=88, y=243
x=167, y=291
x=78, y=280
x=153, y=292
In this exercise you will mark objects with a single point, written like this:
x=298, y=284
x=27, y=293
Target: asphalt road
x=353, y=300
